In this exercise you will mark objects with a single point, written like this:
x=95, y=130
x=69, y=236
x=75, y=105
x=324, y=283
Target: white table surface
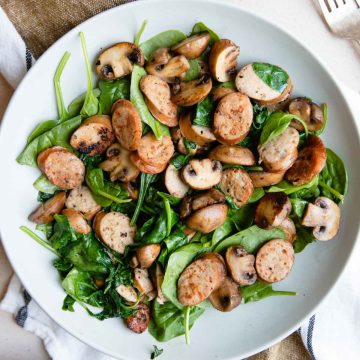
x=303, y=19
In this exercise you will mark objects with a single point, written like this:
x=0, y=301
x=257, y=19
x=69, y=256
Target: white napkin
x=332, y=334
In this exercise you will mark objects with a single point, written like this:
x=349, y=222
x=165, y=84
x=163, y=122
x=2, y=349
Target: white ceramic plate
x=250, y=328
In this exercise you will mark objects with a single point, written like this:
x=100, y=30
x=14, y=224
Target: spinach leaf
x=58, y=135
x=177, y=262
x=261, y=114
x=42, y=197
x=251, y=239
x=46, y=229
x=277, y=123
x=91, y=103
x=333, y=179
x=172, y=199
x=227, y=85
x=260, y=291
x=165, y=39
x=145, y=181
x=62, y=265
x=68, y=303
x=91, y=161
x=104, y=192
x=137, y=98
x=257, y=194
x=112, y=91
x=203, y=112
x=146, y=227
x=325, y=109
x=76, y=105
x=196, y=69
x=304, y=237
x=201, y=27
x=179, y=161
x=297, y=208
x=63, y=234
x=288, y=188
x=122, y=274
x=157, y=352
x=167, y=321
x=223, y=231
x=38, y=239
x=189, y=145
x=243, y=217
x=43, y=185
x=271, y=75
x=140, y=32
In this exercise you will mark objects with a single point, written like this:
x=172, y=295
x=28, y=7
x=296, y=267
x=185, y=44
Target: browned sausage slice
x=45, y=153
x=200, y=279
x=127, y=124
x=274, y=260
x=77, y=221
x=311, y=160
x=44, y=214
x=144, y=167
x=235, y=155
x=93, y=136
x=64, y=169
x=233, y=118
x=157, y=98
x=139, y=322
x=263, y=178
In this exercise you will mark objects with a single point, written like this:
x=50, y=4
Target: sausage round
x=145, y=167
x=139, y=322
x=263, y=178
x=235, y=155
x=77, y=221
x=45, y=153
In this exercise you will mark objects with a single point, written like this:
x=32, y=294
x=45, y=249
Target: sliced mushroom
x=241, y=265
x=173, y=182
x=219, y=92
x=157, y=98
x=118, y=60
x=289, y=228
x=192, y=92
x=201, y=135
x=159, y=278
x=233, y=118
x=263, y=178
x=119, y=164
x=227, y=296
x=324, y=217
x=280, y=153
x=44, y=214
x=147, y=254
x=202, y=174
x=77, y=221
x=207, y=219
x=168, y=68
x=142, y=281
x=223, y=60
x=193, y=46
x=310, y=112
x=310, y=162
x=272, y=210
x=127, y=292
x=237, y=184
x=235, y=155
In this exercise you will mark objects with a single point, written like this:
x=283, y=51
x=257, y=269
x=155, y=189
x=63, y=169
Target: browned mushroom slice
x=272, y=210
x=263, y=178
x=207, y=219
x=132, y=190
x=118, y=60
x=310, y=112
x=324, y=217
x=280, y=153
x=168, y=68
x=193, y=46
x=227, y=296
x=147, y=254
x=233, y=118
x=235, y=155
x=237, y=184
x=173, y=182
x=310, y=162
x=77, y=221
x=192, y=92
x=219, y=92
x=223, y=60
x=289, y=228
x=202, y=174
x=241, y=265
x=157, y=98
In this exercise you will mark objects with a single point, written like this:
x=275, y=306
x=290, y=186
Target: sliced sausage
x=219, y=92
x=200, y=279
x=147, y=254
x=208, y=218
x=289, y=228
x=233, y=118
x=44, y=214
x=311, y=160
x=93, y=136
x=114, y=230
x=77, y=221
x=235, y=155
x=64, y=169
x=145, y=167
x=173, y=182
x=237, y=184
x=142, y=281
x=139, y=322
x=127, y=292
x=155, y=152
x=81, y=199
x=157, y=98
x=264, y=178
x=274, y=260
x=280, y=153
x=45, y=153
x=127, y=124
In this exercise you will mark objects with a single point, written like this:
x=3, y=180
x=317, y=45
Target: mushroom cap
x=117, y=60
x=173, y=182
x=236, y=155
x=193, y=46
x=264, y=178
x=227, y=296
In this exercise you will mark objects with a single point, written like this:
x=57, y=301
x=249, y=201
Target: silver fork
x=343, y=17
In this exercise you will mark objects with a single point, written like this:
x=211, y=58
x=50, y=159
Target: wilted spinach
x=112, y=91
x=140, y=32
x=91, y=161
x=38, y=239
x=76, y=105
x=272, y=75
x=179, y=161
x=304, y=237
x=203, y=112
x=45, y=187
x=189, y=145
x=196, y=69
x=157, y=352
x=288, y=188
x=201, y=27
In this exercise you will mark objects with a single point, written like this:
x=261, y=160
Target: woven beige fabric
x=41, y=23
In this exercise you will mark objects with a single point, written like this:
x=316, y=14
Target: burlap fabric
x=42, y=22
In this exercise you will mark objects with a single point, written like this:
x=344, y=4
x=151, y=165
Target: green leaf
x=91, y=161
x=43, y=185
x=195, y=71
x=189, y=145
x=297, y=208
x=165, y=39
x=179, y=161
x=68, y=303
x=76, y=105
x=201, y=27
x=288, y=188
x=157, y=352
x=324, y=108
x=140, y=32
x=223, y=231
x=304, y=237
x=260, y=291
x=203, y=112
x=272, y=75
x=137, y=98
x=38, y=239
x=111, y=91
x=257, y=194
x=250, y=239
